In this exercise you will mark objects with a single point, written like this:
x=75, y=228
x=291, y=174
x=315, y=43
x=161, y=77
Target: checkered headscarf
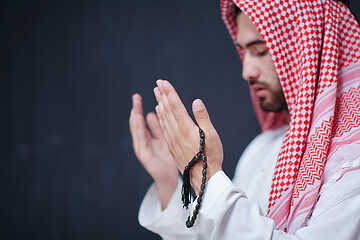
x=315, y=48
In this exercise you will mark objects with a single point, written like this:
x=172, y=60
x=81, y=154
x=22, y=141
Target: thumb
x=201, y=115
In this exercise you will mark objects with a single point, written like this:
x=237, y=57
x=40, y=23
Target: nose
x=250, y=70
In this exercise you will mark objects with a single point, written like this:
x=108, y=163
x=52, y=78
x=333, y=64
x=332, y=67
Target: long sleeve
x=226, y=213
x=235, y=209
x=170, y=222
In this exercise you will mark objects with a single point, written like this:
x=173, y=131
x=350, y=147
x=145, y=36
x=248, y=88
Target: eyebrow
x=255, y=42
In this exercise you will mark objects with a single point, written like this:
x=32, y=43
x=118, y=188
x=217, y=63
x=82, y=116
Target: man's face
x=258, y=67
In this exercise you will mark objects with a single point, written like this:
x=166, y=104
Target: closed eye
x=263, y=53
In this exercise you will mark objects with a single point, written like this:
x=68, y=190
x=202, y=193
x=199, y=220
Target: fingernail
x=134, y=97
x=157, y=108
x=156, y=92
x=158, y=82
x=160, y=86
x=198, y=105
x=164, y=84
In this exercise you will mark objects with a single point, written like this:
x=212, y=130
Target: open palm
x=151, y=149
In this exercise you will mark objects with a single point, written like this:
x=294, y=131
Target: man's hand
x=182, y=134
x=152, y=151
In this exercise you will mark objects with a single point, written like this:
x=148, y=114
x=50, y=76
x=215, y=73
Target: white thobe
x=236, y=209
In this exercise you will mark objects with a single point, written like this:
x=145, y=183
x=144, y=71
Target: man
x=299, y=178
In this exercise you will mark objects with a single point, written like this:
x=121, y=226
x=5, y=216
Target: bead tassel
x=185, y=193
x=186, y=187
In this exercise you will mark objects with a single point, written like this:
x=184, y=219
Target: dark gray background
x=69, y=69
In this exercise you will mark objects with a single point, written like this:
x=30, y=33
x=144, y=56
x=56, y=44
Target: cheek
x=267, y=63
x=270, y=71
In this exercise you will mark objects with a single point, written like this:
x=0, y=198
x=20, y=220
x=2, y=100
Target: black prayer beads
x=186, y=181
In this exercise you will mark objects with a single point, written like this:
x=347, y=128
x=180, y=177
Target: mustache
x=257, y=82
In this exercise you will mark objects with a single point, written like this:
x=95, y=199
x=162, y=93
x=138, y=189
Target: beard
x=277, y=104
x=274, y=101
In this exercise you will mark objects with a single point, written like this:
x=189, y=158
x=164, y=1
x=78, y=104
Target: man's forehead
x=247, y=31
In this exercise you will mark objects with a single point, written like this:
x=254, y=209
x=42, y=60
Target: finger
x=142, y=133
x=136, y=109
x=157, y=94
x=165, y=133
x=154, y=125
x=161, y=115
x=168, y=114
x=138, y=112
x=201, y=115
x=160, y=109
x=132, y=123
x=137, y=104
x=138, y=127
x=141, y=129
x=161, y=123
x=177, y=107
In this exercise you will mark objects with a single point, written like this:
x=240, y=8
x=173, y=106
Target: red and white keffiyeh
x=315, y=48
